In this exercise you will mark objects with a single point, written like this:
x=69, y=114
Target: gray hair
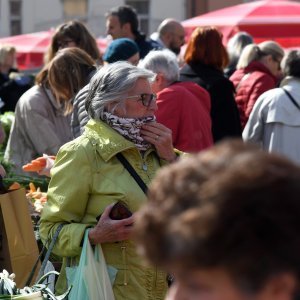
x=111, y=85
x=162, y=61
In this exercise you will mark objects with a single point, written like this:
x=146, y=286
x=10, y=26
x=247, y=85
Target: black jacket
x=12, y=89
x=224, y=112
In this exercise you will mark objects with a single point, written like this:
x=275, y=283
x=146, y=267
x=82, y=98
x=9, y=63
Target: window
x=142, y=8
x=15, y=10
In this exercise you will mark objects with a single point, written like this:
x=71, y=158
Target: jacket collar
x=108, y=141
x=258, y=66
x=194, y=69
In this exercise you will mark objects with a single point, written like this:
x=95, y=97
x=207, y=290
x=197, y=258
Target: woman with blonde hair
x=258, y=70
x=205, y=59
x=42, y=121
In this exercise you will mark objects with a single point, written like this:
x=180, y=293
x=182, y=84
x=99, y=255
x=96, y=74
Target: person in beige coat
x=42, y=120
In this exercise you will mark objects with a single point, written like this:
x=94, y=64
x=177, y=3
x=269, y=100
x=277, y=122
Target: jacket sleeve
x=67, y=200
x=253, y=131
x=80, y=116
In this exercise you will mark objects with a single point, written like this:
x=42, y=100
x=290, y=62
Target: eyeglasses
x=146, y=99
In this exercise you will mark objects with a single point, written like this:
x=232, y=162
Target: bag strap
x=291, y=98
x=132, y=172
x=46, y=258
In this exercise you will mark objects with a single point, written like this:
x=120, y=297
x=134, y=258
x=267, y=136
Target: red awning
x=32, y=47
x=265, y=20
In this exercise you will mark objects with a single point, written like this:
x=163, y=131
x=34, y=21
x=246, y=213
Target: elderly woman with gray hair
x=89, y=177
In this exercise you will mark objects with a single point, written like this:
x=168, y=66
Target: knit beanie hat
x=120, y=49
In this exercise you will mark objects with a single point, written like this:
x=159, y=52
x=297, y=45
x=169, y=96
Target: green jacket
x=85, y=179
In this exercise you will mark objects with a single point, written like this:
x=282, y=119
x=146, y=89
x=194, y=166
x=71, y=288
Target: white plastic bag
x=90, y=280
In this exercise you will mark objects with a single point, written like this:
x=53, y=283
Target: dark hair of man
x=126, y=14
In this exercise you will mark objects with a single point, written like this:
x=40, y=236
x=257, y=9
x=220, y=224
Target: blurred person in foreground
x=258, y=70
x=88, y=178
x=122, y=49
x=42, y=116
x=122, y=22
x=205, y=58
x=274, y=122
x=184, y=107
x=222, y=240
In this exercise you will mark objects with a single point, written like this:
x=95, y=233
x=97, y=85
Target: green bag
x=90, y=279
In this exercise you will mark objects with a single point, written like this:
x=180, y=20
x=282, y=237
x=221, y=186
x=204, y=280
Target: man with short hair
x=170, y=34
x=122, y=22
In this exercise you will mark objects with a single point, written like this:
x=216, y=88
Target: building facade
x=26, y=16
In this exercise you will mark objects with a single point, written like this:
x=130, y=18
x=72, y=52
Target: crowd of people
x=112, y=120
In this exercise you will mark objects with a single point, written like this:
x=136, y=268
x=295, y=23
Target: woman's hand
x=161, y=137
x=109, y=231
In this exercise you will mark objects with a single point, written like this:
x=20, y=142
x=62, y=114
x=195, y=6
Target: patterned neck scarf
x=129, y=128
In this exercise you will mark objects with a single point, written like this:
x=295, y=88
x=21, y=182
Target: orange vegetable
x=32, y=167
x=32, y=187
x=14, y=186
x=36, y=164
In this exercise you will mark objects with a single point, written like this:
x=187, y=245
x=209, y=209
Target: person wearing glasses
x=258, y=70
x=73, y=34
x=122, y=49
x=88, y=178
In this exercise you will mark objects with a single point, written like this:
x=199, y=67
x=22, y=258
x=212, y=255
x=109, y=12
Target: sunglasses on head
x=145, y=98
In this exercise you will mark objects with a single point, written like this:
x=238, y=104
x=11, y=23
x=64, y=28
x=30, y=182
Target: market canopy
x=265, y=20
x=32, y=47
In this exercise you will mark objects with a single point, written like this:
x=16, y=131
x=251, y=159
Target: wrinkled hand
x=108, y=230
x=161, y=137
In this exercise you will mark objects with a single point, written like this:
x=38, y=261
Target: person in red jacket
x=184, y=107
x=258, y=70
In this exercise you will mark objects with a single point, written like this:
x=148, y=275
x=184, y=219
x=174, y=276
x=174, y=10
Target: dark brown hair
x=205, y=46
x=232, y=207
x=79, y=33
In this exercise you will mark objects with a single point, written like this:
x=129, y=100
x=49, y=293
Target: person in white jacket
x=275, y=119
